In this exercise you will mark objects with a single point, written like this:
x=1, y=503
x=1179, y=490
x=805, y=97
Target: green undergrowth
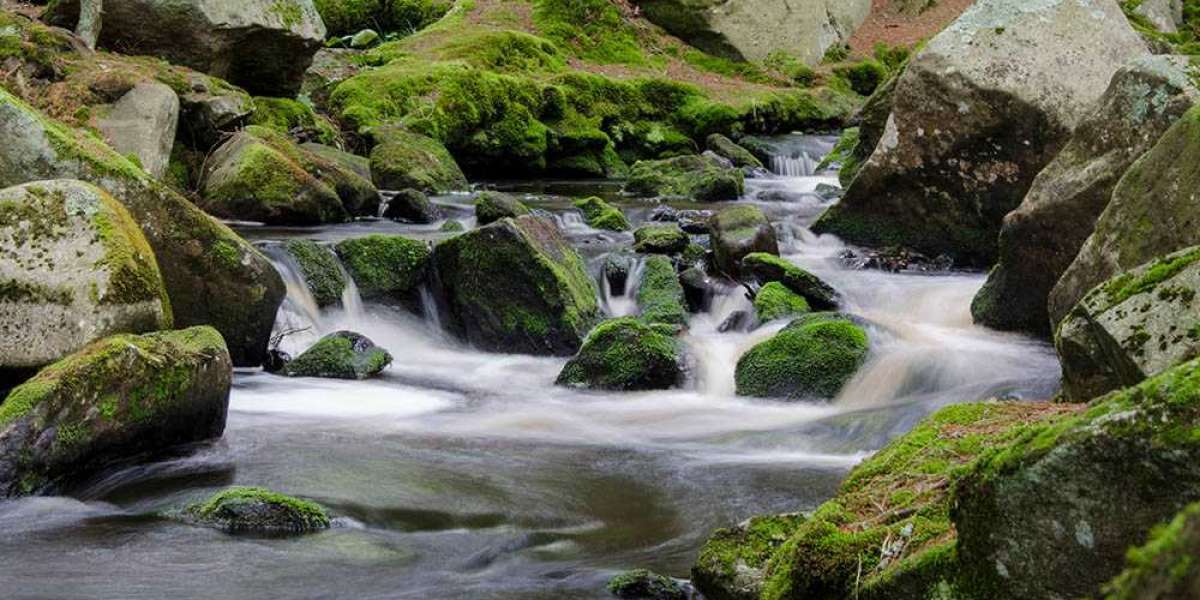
x=1184, y=41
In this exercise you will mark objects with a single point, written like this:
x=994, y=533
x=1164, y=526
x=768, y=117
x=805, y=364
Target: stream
x=462, y=474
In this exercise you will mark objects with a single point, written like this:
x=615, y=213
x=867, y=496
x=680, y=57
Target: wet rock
x=142, y=124
x=334, y=169
x=1039, y=239
x=616, y=272
x=660, y=239
x=738, y=320
x=776, y=301
x=320, y=269
x=641, y=584
x=895, y=260
x=76, y=268
x=517, y=286
x=732, y=564
x=976, y=116
x=599, y=214
x=660, y=296
x=697, y=289
x=767, y=268
x=737, y=232
x=402, y=159
x=812, y=358
x=209, y=108
x=697, y=178
x=116, y=399
x=493, y=206
x=340, y=355
x=626, y=355
x=257, y=510
x=385, y=267
x=276, y=361
x=412, y=206
x=725, y=147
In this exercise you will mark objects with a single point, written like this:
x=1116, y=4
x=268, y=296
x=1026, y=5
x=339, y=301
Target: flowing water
x=461, y=474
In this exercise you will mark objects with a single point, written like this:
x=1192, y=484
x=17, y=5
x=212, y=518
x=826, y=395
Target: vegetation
x=812, y=358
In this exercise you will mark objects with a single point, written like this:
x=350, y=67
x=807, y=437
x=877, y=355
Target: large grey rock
x=737, y=232
x=212, y=276
x=1165, y=15
x=1153, y=212
x=753, y=29
x=142, y=124
x=1133, y=326
x=75, y=268
x=976, y=115
x=210, y=108
x=1041, y=237
x=262, y=45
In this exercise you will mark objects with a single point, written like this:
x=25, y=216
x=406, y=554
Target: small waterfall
x=300, y=321
x=429, y=307
x=623, y=302
x=802, y=165
x=797, y=155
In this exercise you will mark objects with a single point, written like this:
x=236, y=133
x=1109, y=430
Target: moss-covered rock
x=452, y=226
x=116, y=399
x=660, y=295
x=626, y=355
x=517, y=286
x=292, y=117
x=737, y=232
x=212, y=276
x=332, y=168
x=732, y=564
x=340, y=355
x=767, y=268
x=403, y=159
x=360, y=165
x=725, y=147
x=257, y=510
x=811, y=359
x=601, y=215
x=660, y=239
x=776, y=301
x=493, y=206
x=640, y=584
x=75, y=268
x=320, y=269
x=412, y=206
x=698, y=178
x=385, y=267
x=346, y=17
x=1165, y=567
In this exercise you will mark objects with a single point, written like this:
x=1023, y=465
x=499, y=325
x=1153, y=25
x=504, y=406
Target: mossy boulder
x=599, y=214
x=517, y=286
x=76, y=268
x=289, y=117
x=493, y=206
x=813, y=358
x=1165, y=567
x=665, y=238
x=258, y=510
x=1147, y=217
x=212, y=276
x=732, y=564
x=116, y=399
x=977, y=114
x=412, y=206
x=385, y=267
x=728, y=149
x=320, y=269
x=776, y=301
x=249, y=180
x=640, y=584
x=626, y=355
x=346, y=17
x=403, y=159
x=1043, y=235
x=452, y=226
x=660, y=295
x=340, y=355
x=767, y=268
x=698, y=178
x=738, y=232
x=359, y=165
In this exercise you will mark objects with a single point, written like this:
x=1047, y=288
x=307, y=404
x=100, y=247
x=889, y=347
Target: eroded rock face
x=1154, y=211
x=751, y=30
x=1131, y=327
x=142, y=124
x=261, y=45
x=1041, y=237
x=116, y=399
x=74, y=267
x=976, y=115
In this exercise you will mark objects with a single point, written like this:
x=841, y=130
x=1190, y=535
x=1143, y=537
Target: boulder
x=699, y=178
x=738, y=232
x=360, y=165
x=1043, y=235
x=261, y=45
x=976, y=116
x=626, y=355
x=119, y=398
x=1131, y=327
x=76, y=268
x=517, y=286
x=726, y=148
x=812, y=358
x=1152, y=213
x=142, y=124
x=340, y=355
x=257, y=510
x=412, y=206
x=212, y=276
x=1165, y=567
x=210, y=108
x=1164, y=15
x=601, y=215
x=402, y=159
x=640, y=584
x=293, y=119
x=767, y=268
x=775, y=301
x=660, y=239
x=320, y=269
x=660, y=295
x=493, y=206
x=385, y=267
x=752, y=31
x=732, y=564
x=364, y=39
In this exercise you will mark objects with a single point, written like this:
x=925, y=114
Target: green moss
x=814, y=360
x=591, y=29
x=660, y=239
x=133, y=271
x=843, y=152
x=776, y=301
x=341, y=355
x=769, y=268
x=602, y=215
x=625, y=354
x=283, y=115
x=640, y=584
x=261, y=182
x=493, y=206
x=320, y=269
x=347, y=17
x=258, y=509
x=693, y=177
x=289, y=12
x=731, y=555
x=452, y=226
x=385, y=266
x=863, y=77
x=406, y=160
x=1126, y=286
x=1165, y=566
x=660, y=295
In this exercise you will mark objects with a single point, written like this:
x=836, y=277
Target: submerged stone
x=601, y=215
x=626, y=355
x=813, y=358
x=641, y=584
x=341, y=355
x=493, y=206
x=257, y=510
